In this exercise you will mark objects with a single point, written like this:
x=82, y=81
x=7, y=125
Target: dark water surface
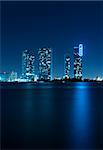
x=63, y=116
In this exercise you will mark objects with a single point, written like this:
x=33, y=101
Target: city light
x=44, y=63
x=80, y=50
x=78, y=53
x=44, y=66
x=67, y=67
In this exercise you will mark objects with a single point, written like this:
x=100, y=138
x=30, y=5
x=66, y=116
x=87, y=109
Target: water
x=62, y=116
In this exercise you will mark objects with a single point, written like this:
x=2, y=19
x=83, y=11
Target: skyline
x=44, y=25
x=45, y=72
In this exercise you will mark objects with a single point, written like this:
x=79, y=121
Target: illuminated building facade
x=67, y=67
x=4, y=77
x=13, y=76
x=27, y=65
x=44, y=63
x=78, y=54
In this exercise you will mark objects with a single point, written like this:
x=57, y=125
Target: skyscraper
x=13, y=76
x=44, y=63
x=67, y=67
x=27, y=65
x=78, y=54
x=4, y=76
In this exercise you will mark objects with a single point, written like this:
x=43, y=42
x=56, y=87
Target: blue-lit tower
x=27, y=65
x=78, y=54
x=44, y=63
x=67, y=67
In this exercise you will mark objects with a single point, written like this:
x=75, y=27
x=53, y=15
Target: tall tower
x=27, y=65
x=44, y=63
x=67, y=66
x=78, y=54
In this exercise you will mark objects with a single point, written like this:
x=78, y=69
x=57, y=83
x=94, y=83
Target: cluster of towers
x=28, y=69
x=45, y=62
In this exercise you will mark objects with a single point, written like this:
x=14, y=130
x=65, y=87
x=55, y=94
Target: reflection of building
x=27, y=65
x=13, y=76
x=78, y=53
x=44, y=63
x=67, y=67
x=4, y=77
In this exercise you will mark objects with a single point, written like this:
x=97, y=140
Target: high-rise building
x=4, y=76
x=13, y=76
x=27, y=65
x=67, y=67
x=44, y=63
x=78, y=54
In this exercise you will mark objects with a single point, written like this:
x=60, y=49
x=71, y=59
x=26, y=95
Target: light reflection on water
x=81, y=117
x=52, y=116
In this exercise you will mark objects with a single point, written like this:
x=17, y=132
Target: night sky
x=59, y=25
